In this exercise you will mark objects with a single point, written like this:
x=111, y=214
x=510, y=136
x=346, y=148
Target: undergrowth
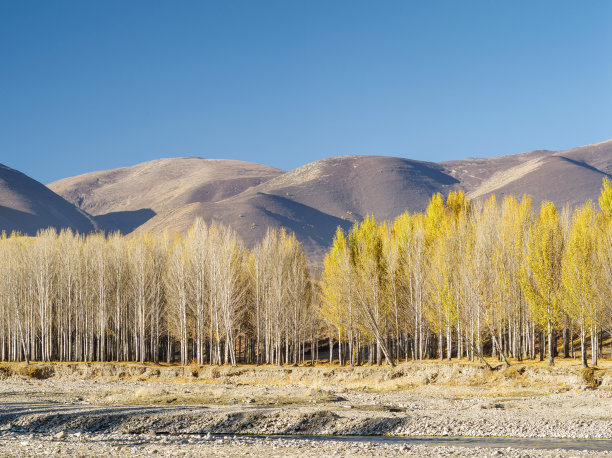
x=589, y=375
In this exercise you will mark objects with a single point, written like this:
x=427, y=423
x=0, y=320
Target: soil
x=118, y=409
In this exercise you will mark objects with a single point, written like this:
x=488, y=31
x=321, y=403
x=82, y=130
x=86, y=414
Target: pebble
x=96, y=444
x=360, y=413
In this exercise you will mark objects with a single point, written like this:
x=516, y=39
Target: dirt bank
x=415, y=399
x=566, y=374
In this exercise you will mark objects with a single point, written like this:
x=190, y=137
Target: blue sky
x=89, y=85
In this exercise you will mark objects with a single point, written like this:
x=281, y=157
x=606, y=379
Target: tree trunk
x=583, y=354
x=501, y=353
x=594, y=345
x=551, y=350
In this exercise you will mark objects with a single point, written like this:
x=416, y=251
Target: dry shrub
x=35, y=372
x=4, y=373
x=193, y=369
x=397, y=373
x=482, y=377
x=513, y=372
x=235, y=372
x=590, y=378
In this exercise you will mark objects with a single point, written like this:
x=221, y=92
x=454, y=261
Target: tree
x=176, y=293
x=604, y=251
x=227, y=260
x=605, y=199
x=542, y=277
x=367, y=260
x=579, y=278
x=196, y=253
x=337, y=302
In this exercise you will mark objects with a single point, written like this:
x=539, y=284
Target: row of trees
x=153, y=298
x=468, y=275
x=461, y=280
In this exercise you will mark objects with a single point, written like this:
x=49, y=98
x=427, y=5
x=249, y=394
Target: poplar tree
x=579, y=278
x=367, y=260
x=542, y=277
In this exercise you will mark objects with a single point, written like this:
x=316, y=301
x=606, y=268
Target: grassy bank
x=520, y=378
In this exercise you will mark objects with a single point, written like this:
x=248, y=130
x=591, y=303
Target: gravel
x=103, y=417
x=92, y=444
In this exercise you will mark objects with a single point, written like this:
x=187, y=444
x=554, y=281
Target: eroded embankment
x=415, y=398
x=566, y=374
x=441, y=419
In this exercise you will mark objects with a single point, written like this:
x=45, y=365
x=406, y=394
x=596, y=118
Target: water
x=599, y=445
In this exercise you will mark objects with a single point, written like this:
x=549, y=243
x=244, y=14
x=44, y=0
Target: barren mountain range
x=27, y=206
x=310, y=201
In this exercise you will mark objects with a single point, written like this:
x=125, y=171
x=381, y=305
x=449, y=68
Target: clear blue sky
x=96, y=84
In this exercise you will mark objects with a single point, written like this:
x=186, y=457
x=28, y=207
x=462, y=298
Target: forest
x=463, y=280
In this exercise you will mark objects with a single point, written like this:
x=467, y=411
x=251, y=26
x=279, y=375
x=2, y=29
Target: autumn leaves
x=468, y=275
x=461, y=280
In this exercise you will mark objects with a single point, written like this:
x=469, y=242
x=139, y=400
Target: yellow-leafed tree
x=579, y=266
x=368, y=262
x=542, y=277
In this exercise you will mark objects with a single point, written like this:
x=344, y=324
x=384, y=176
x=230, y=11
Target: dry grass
x=32, y=371
x=216, y=395
x=590, y=376
x=424, y=375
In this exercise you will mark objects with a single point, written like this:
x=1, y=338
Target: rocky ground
x=92, y=444
x=94, y=409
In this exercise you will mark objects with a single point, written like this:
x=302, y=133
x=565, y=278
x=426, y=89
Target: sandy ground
x=96, y=409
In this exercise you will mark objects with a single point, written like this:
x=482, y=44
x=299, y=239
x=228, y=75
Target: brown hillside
x=252, y=215
x=563, y=177
x=314, y=199
x=27, y=206
x=352, y=187
x=125, y=198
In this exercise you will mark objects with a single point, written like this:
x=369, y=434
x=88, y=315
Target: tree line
x=463, y=279
x=143, y=297
x=467, y=278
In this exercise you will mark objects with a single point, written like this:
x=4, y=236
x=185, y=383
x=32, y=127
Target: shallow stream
x=599, y=445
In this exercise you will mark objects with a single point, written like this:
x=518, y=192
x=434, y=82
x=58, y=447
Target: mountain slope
x=252, y=215
x=314, y=199
x=125, y=198
x=563, y=177
x=352, y=187
x=27, y=206
x=311, y=201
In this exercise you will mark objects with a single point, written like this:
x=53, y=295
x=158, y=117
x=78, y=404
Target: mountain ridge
x=314, y=199
x=27, y=206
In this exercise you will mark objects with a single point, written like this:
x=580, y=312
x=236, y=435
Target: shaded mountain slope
x=563, y=177
x=554, y=178
x=597, y=155
x=252, y=215
x=351, y=187
x=314, y=199
x=125, y=198
x=27, y=206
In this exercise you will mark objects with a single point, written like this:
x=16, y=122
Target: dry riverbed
x=121, y=409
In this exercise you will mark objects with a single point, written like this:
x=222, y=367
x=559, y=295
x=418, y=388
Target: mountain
x=252, y=215
x=313, y=200
x=26, y=206
x=125, y=198
x=563, y=177
x=352, y=187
